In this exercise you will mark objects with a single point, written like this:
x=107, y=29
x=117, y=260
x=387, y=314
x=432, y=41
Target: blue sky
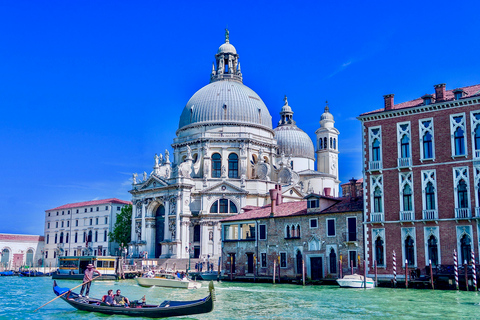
x=91, y=90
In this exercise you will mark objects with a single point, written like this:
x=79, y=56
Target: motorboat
x=167, y=280
x=355, y=281
x=138, y=308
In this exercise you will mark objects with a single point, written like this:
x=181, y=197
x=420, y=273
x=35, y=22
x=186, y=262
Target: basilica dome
x=225, y=101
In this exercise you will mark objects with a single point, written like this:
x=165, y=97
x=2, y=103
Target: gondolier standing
x=87, y=279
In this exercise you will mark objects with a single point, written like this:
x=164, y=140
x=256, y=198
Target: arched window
x=405, y=146
x=376, y=150
x=465, y=248
x=430, y=197
x=61, y=237
x=325, y=143
x=29, y=258
x=298, y=231
x=223, y=206
x=334, y=143
x=233, y=165
x=56, y=237
x=459, y=142
x=462, y=194
x=333, y=261
x=377, y=200
x=216, y=165
x=407, y=198
x=48, y=236
x=288, y=232
x=410, y=251
x=433, y=250
x=96, y=235
x=477, y=138
x=5, y=257
x=90, y=236
x=320, y=143
x=66, y=237
x=427, y=146
x=76, y=237
x=331, y=143
x=379, y=252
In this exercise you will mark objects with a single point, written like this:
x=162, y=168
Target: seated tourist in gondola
x=109, y=299
x=119, y=299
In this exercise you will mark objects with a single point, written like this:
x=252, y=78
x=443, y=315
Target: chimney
x=279, y=195
x=273, y=197
x=326, y=191
x=440, y=92
x=388, y=101
x=353, y=188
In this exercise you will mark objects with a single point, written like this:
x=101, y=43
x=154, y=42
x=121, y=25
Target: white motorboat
x=355, y=281
x=167, y=280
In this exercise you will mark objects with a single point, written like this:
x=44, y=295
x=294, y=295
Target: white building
x=227, y=155
x=18, y=250
x=68, y=227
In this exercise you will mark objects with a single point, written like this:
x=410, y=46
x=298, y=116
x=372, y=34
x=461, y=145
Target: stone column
x=217, y=243
x=166, y=232
x=185, y=239
x=144, y=213
x=204, y=238
x=134, y=214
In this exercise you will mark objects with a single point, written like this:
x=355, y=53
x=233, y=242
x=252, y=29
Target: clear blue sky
x=91, y=90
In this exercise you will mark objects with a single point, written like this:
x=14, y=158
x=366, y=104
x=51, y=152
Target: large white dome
x=225, y=101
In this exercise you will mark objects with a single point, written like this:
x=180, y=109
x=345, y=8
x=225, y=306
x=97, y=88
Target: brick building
x=421, y=164
x=318, y=232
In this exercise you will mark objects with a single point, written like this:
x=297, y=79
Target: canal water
x=19, y=296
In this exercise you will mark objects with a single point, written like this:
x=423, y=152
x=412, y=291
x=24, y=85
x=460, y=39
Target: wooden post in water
x=218, y=273
x=278, y=269
x=376, y=275
x=406, y=274
x=340, y=271
x=364, y=274
x=351, y=265
x=466, y=273
x=431, y=274
x=231, y=267
x=255, y=272
x=303, y=271
x=274, y=268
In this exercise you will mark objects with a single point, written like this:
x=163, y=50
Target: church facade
x=226, y=156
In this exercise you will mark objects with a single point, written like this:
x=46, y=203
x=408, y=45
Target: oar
x=66, y=293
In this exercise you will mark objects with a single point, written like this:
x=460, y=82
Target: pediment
x=292, y=191
x=223, y=187
x=153, y=182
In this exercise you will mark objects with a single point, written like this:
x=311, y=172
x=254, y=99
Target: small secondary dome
x=326, y=115
x=227, y=48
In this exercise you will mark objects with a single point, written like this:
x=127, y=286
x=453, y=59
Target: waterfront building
x=17, y=250
x=79, y=229
x=226, y=155
x=323, y=233
x=421, y=164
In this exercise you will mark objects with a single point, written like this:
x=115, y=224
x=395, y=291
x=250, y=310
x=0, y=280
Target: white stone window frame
x=429, y=176
x=405, y=233
x=423, y=131
x=379, y=233
x=334, y=227
x=473, y=124
x=427, y=232
x=406, y=178
x=371, y=138
x=461, y=173
x=296, y=225
x=400, y=134
x=460, y=231
x=376, y=181
x=328, y=249
x=453, y=127
x=310, y=223
x=286, y=259
x=476, y=181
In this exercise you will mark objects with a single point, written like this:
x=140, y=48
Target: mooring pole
x=406, y=274
x=376, y=274
x=303, y=271
x=431, y=274
x=466, y=273
x=364, y=274
x=274, y=268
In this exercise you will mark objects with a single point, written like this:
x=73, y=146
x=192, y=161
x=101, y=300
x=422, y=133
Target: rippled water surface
x=19, y=296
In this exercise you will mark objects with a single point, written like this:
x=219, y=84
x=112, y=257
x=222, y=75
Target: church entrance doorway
x=159, y=229
x=316, y=264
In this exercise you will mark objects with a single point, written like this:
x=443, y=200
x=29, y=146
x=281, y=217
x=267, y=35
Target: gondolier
x=87, y=279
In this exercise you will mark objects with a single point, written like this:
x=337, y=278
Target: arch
x=66, y=237
x=477, y=137
x=331, y=143
x=320, y=143
x=216, y=165
x=288, y=231
x=223, y=206
x=465, y=248
x=48, y=238
x=159, y=229
x=233, y=165
x=96, y=235
x=29, y=258
x=410, y=250
x=333, y=261
x=5, y=257
x=56, y=237
x=433, y=249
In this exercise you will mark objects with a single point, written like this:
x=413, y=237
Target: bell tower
x=327, y=144
x=226, y=65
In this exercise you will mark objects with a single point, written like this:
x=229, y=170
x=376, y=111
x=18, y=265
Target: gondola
x=137, y=308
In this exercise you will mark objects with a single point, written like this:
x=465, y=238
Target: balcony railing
x=375, y=165
x=376, y=217
x=477, y=154
x=407, y=216
x=404, y=162
x=477, y=212
x=430, y=214
x=464, y=213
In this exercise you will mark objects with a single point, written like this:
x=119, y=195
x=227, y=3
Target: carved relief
x=173, y=205
x=138, y=230
x=172, y=227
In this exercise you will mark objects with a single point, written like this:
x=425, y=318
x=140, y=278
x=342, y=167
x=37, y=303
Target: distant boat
x=73, y=267
x=167, y=308
x=355, y=281
x=7, y=273
x=208, y=275
x=167, y=280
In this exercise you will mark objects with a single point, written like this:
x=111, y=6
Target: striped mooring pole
x=474, y=271
x=455, y=267
x=394, y=269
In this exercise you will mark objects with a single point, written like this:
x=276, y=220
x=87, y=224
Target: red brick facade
x=449, y=223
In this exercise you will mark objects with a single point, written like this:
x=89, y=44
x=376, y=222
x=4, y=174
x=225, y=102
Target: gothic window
x=377, y=200
x=223, y=206
x=216, y=165
x=459, y=142
x=465, y=248
x=427, y=146
x=403, y=139
x=477, y=137
x=407, y=198
x=430, y=197
x=410, y=250
x=462, y=194
x=333, y=261
x=376, y=150
x=288, y=232
x=405, y=147
x=379, y=252
x=426, y=139
x=433, y=250
x=233, y=165
x=457, y=129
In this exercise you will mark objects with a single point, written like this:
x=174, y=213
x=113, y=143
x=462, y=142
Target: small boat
x=167, y=280
x=73, y=267
x=355, y=281
x=208, y=275
x=7, y=273
x=138, y=308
